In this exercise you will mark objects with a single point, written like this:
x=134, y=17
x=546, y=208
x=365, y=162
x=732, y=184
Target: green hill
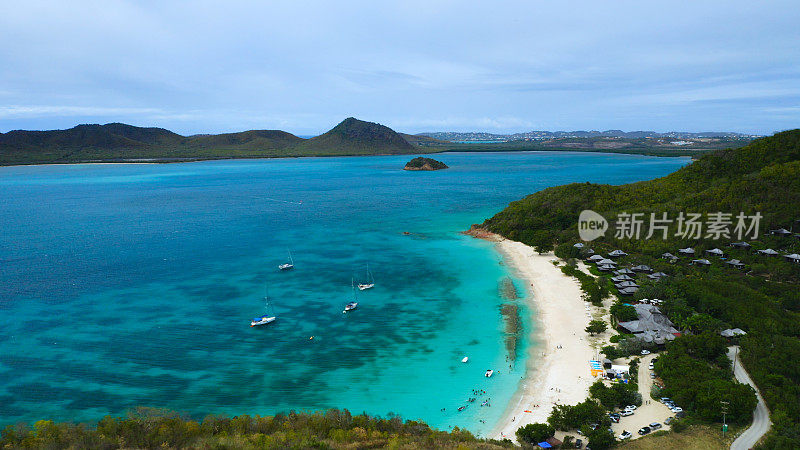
x=762, y=299
x=356, y=137
x=121, y=142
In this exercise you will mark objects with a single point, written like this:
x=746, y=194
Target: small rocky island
x=420, y=163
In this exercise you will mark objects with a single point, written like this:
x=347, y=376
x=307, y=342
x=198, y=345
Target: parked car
x=669, y=420
x=651, y=366
x=625, y=435
x=631, y=407
x=677, y=409
x=578, y=443
x=655, y=425
x=626, y=413
x=614, y=417
x=644, y=430
x=665, y=399
x=680, y=414
x=652, y=375
x=645, y=352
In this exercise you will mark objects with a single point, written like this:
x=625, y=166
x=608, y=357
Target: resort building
x=701, y=262
x=794, y=257
x=735, y=263
x=715, y=252
x=732, y=332
x=780, y=232
x=768, y=252
x=742, y=245
x=652, y=326
x=688, y=251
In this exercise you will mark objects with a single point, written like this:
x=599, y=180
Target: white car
x=626, y=413
x=677, y=409
x=645, y=352
x=631, y=407
x=625, y=435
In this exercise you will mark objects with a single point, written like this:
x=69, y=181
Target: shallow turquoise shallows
x=134, y=285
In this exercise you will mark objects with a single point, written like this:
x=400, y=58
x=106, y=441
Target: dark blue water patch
x=73, y=398
x=8, y=406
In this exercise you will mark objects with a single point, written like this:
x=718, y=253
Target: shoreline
x=557, y=371
x=236, y=158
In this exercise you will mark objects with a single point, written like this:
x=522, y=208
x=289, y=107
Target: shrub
x=534, y=433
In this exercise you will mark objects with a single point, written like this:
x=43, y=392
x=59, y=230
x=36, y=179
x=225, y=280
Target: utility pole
x=724, y=413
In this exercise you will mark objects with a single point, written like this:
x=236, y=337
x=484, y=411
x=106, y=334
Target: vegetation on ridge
x=333, y=429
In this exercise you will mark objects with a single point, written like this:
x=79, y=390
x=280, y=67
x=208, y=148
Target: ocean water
x=133, y=285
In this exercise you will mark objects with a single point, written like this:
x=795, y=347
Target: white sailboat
x=289, y=265
x=266, y=318
x=370, y=281
x=354, y=304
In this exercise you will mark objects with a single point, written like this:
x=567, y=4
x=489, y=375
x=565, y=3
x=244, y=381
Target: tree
x=596, y=326
x=630, y=346
x=535, y=432
x=623, y=312
x=601, y=439
x=542, y=241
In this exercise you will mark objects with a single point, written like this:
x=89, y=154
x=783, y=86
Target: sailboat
x=370, y=281
x=354, y=304
x=289, y=265
x=267, y=318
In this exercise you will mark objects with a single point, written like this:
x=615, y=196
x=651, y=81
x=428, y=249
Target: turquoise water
x=130, y=285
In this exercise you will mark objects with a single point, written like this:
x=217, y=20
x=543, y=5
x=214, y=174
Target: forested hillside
x=762, y=296
x=121, y=142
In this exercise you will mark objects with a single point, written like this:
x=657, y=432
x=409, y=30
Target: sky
x=303, y=66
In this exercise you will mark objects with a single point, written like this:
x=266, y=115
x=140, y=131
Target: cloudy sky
x=302, y=66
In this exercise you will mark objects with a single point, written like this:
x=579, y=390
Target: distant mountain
x=454, y=136
x=357, y=137
x=121, y=142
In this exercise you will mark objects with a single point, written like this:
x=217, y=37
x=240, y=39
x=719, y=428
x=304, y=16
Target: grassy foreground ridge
x=333, y=429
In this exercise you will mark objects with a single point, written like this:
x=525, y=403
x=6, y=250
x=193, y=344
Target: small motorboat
x=461, y=408
x=263, y=320
x=488, y=373
x=465, y=359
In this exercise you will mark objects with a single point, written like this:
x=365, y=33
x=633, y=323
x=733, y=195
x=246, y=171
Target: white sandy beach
x=558, y=369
